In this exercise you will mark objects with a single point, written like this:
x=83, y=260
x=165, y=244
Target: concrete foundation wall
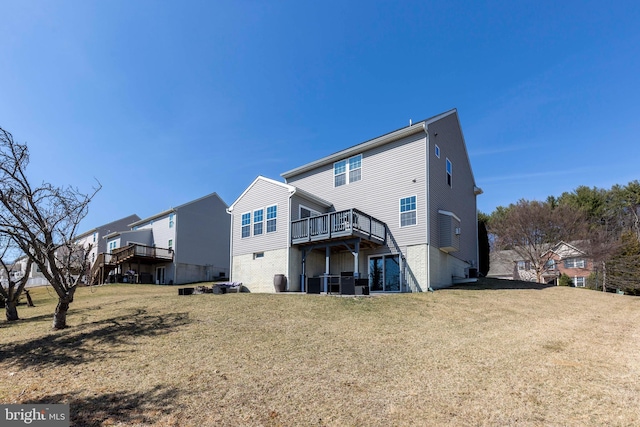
x=256, y=274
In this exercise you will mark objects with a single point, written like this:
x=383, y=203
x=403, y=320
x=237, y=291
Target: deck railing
x=142, y=251
x=337, y=224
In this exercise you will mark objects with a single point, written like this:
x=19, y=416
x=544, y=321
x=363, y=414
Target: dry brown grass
x=142, y=355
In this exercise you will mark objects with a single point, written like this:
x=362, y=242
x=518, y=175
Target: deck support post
x=327, y=256
x=356, y=255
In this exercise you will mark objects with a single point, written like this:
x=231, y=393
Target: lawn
x=487, y=355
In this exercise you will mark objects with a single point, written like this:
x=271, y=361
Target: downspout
x=175, y=252
x=428, y=201
x=291, y=193
x=230, y=212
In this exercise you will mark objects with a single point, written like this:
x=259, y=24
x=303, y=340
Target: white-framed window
x=258, y=221
x=550, y=265
x=437, y=151
x=408, y=211
x=449, y=172
x=246, y=224
x=94, y=237
x=272, y=216
x=579, y=282
x=305, y=212
x=112, y=246
x=574, y=263
x=170, y=244
x=524, y=265
x=257, y=255
x=171, y=222
x=347, y=171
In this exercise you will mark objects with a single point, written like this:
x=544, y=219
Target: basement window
x=257, y=255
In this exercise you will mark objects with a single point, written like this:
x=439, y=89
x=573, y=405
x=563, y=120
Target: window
x=578, y=282
x=307, y=212
x=246, y=224
x=550, y=265
x=449, y=172
x=574, y=263
x=408, y=211
x=351, y=168
x=355, y=168
x=437, y=151
x=112, y=246
x=258, y=217
x=524, y=265
x=171, y=221
x=272, y=215
x=170, y=244
x=340, y=173
x=257, y=255
x=94, y=237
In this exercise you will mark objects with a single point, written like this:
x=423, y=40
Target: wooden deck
x=337, y=225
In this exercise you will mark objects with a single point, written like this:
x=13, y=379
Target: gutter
x=428, y=195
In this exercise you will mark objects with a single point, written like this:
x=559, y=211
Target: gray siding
x=459, y=198
x=261, y=194
x=202, y=232
x=389, y=172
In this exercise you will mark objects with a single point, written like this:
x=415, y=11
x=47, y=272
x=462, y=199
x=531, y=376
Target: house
x=397, y=213
x=565, y=258
x=94, y=242
x=562, y=258
x=91, y=241
x=185, y=244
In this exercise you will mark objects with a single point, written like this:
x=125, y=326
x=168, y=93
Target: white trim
x=367, y=145
x=400, y=211
x=312, y=211
x=248, y=225
x=266, y=218
x=440, y=211
x=347, y=170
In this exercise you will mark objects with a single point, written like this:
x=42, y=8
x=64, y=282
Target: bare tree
x=43, y=221
x=12, y=278
x=532, y=228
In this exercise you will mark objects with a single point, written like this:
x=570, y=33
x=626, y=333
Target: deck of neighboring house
x=133, y=253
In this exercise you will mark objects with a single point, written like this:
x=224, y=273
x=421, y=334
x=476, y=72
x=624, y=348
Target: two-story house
x=398, y=210
x=93, y=240
x=562, y=258
x=185, y=244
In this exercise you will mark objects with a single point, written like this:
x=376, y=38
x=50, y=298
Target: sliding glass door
x=384, y=273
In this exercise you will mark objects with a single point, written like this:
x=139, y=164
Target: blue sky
x=163, y=102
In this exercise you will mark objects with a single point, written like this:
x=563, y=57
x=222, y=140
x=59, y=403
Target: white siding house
x=397, y=212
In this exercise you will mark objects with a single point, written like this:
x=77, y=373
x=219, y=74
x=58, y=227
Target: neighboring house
x=398, y=210
x=568, y=259
x=563, y=258
x=91, y=240
x=186, y=244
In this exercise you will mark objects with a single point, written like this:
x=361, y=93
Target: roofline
x=121, y=233
x=93, y=230
x=290, y=188
x=174, y=210
x=372, y=143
